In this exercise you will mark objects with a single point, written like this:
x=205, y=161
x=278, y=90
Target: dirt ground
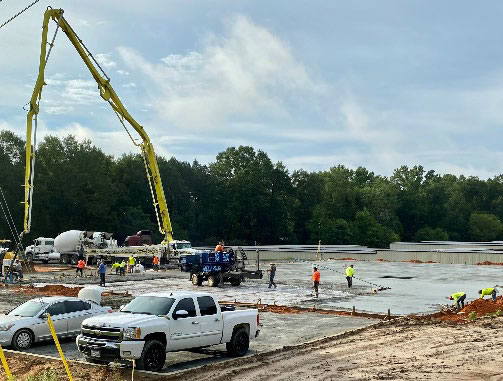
x=403, y=349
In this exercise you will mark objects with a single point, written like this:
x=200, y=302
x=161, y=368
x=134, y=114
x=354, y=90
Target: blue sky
x=314, y=84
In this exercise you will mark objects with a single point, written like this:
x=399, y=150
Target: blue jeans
x=271, y=281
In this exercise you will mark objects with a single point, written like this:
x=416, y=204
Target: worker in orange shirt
x=219, y=247
x=316, y=280
x=80, y=268
x=155, y=262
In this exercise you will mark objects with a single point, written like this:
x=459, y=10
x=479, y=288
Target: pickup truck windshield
x=150, y=305
x=29, y=309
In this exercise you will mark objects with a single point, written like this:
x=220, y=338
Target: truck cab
x=41, y=250
x=156, y=323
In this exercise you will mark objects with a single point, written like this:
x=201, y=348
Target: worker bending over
x=488, y=291
x=316, y=280
x=350, y=271
x=459, y=299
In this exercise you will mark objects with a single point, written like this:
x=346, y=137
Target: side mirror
x=44, y=316
x=180, y=314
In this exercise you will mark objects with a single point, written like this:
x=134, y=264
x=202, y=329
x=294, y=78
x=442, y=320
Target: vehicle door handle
x=195, y=322
x=217, y=319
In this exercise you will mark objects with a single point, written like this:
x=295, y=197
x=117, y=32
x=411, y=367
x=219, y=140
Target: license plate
x=95, y=353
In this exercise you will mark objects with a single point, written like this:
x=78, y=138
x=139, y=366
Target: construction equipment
x=218, y=267
x=109, y=95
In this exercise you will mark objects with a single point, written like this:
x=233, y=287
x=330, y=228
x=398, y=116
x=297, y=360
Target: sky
x=314, y=84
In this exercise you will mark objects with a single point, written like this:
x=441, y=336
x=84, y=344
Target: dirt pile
x=488, y=263
x=481, y=307
x=47, y=269
x=343, y=259
x=382, y=260
x=52, y=289
x=418, y=261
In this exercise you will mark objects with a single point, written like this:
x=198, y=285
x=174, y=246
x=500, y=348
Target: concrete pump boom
x=109, y=95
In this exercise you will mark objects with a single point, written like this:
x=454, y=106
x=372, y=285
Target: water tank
x=68, y=241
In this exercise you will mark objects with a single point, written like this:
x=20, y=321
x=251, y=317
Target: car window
x=29, y=309
x=74, y=306
x=150, y=305
x=207, y=305
x=56, y=309
x=186, y=304
x=87, y=306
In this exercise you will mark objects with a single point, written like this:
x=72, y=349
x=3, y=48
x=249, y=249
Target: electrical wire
x=19, y=13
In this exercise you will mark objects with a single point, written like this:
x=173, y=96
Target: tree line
x=244, y=198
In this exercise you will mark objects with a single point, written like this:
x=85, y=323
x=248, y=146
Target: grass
x=472, y=316
x=46, y=375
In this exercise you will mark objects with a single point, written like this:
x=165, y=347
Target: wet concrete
x=427, y=288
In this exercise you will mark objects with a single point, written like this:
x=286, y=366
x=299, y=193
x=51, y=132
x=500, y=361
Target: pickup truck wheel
x=197, y=280
x=23, y=339
x=29, y=257
x=213, y=281
x=96, y=361
x=153, y=356
x=239, y=344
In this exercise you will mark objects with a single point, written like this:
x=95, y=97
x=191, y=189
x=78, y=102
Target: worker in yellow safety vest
x=131, y=263
x=350, y=271
x=459, y=299
x=122, y=268
x=488, y=291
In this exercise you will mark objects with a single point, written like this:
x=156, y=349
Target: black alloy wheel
x=153, y=356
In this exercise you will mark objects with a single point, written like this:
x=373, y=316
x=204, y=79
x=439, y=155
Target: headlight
x=6, y=327
x=132, y=333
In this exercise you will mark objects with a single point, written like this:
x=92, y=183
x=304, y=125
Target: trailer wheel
x=236, y=281
x=213, y=280
x=197, y=280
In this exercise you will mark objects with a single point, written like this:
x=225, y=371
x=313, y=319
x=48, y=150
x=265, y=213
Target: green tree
x=429, y=234
x=485, y=227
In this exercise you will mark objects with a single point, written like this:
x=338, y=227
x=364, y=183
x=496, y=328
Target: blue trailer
x=218, y=267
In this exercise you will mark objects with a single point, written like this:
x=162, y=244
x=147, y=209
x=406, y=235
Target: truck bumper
x=106, y=350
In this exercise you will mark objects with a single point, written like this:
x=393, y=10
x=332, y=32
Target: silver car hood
x=16, y=319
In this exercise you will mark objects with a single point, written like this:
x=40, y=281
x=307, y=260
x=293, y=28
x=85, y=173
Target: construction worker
x=316, y=280
x=122, y=268
x=80, y=268
x=102, y=270
x=272, y=274
x=18, y=269
x=155, y=263
x=350, y=271
x=131, y=263
x=116, y=265
x=219, y=247
x=488, y=291
x=459, y=298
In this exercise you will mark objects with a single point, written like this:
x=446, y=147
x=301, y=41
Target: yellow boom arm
x=109, y=95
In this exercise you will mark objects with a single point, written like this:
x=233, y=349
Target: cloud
x=105, y=60
x=247, y=73
x=122, y=72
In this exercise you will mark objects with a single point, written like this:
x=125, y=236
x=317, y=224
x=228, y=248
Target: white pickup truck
x=156, y=323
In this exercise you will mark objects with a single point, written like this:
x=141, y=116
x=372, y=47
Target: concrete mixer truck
x=96, y=245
